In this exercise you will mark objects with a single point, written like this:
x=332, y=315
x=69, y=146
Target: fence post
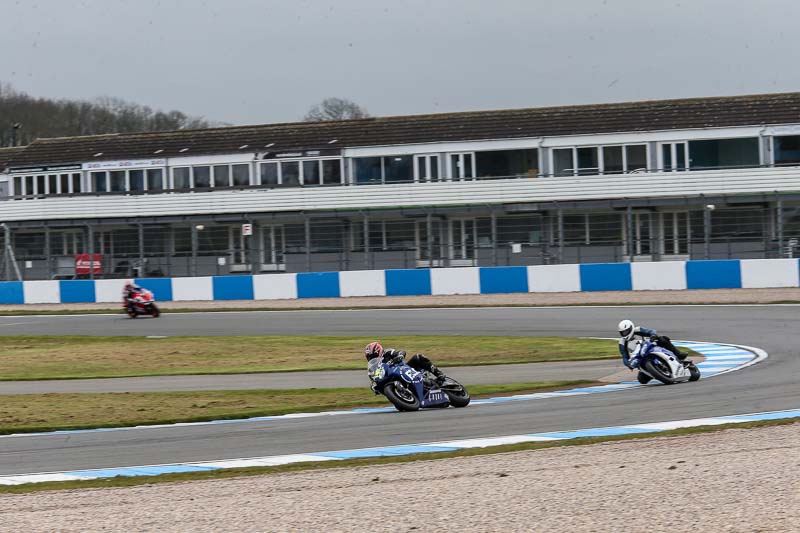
x=7, y=247
x=779, y=225
x=47, y=256
x=367, y=264
x=707, y=233
x=195, y=246
x=90, y=231
x=630, y=244
x=142, y=269
x=560, y=223
x=429, y=233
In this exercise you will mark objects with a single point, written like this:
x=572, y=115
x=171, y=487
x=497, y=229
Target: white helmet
x=626, y=329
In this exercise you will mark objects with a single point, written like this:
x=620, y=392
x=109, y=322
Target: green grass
x=274, y=470
x=71, y=357
x=27, y=413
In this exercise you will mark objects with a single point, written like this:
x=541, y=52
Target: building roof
x=7, y=154
x=654, y=115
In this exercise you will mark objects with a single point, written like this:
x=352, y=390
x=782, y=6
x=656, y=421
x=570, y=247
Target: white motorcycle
x=656, y=362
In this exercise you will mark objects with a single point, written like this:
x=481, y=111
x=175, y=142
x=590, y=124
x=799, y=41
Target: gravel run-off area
x=710, y=296
x=731, y=481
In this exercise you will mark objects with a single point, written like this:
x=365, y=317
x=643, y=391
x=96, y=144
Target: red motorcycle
x=141, y=303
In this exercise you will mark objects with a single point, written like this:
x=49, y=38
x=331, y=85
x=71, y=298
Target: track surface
x=771, y=385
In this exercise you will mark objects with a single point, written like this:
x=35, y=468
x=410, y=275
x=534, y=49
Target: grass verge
x=72, y=357
x=273, y=470
x=30, y=413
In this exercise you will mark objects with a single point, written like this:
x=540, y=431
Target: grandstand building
x=704, y=178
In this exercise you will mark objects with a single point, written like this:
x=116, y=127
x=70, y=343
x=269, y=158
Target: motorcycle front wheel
x=154, y=311
x=401, y=396
x=659, y=370
x=456, y=393
x=695, y=372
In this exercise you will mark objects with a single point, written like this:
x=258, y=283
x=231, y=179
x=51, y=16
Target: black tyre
x=659, y=370
x=401, y=396
x=694, y=371
x=131, y=314
x=456, y=393
x=643, y=378
x=154, y=311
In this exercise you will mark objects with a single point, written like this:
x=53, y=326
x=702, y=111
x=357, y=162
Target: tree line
x=24, y=118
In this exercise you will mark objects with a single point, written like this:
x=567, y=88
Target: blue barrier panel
x=11, y=292
x=497, y=280
x=408, y=282
x=724, y=274
x=233, y=287
x=77, y=291
x=318, y=285
x=606, y=277
x=160, y=287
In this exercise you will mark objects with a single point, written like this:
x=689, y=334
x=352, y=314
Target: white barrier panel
x=275, y=287
x=455, y=281
x=668, y=275
x=42, y=292
x=554, y=278
x=761, y=273
x=188, y=289
x=108, y=290
x=362, y=283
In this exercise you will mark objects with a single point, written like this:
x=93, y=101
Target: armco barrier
x=668, y=275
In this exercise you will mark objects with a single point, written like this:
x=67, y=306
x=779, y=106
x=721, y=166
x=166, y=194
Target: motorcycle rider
x=627, y=332
x=418, y=361
x=129, y=293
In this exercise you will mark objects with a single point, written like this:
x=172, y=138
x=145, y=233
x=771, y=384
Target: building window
x=241, y=175
x=202, y=177
x=562, y=162
x=222, y=176
x=398, y=168
x=99, y=182
x=331, y=171
x=155, y=179
x=721, y=153
x=507, y=163
x=787, y=150
x=290, y=173
x=117, y=180
x=180, y=178
x=368, y=169
x=136, y=180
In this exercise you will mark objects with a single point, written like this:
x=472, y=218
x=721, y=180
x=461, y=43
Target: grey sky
x=250, y=61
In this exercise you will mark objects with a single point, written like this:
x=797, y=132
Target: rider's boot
x=436, y=371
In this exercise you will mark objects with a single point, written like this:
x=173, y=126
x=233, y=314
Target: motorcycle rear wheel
x=401, y=396
x=659, y=372
x=456, y=393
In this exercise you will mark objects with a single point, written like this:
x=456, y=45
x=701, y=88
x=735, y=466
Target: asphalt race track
x=770, y=385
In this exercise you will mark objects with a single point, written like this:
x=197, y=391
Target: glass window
x=506, y=163
x=52, y=184
x=562, y=162
x=398, y=168
x=526, y=229
x=180, y=178
x=202, y=177
x=368, y=169
x=117, y=180
x=724, y=153
x=332, y=171
x=18, y=186
x=136, y=178
x=575, y=229
x=612, y=160
x=64, y=181
x=636, y=157
x=587, y=161
x=605, y=228
x=99, y=182
x=399, y=235
x=76, y=183
x=28, y=186
x=222, y=176
x=787, y=150
x=155, y=179
x=241, y=175
x=269, y=173
x=290, y=173
x=737, y=224
x=41, y=184
x=311, y=172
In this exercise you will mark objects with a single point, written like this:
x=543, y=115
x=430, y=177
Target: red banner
x=84, y=263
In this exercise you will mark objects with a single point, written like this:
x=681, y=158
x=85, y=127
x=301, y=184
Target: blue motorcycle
x=657, y=362
x=410, y=390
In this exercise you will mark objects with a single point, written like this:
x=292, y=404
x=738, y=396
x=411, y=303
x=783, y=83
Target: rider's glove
x=633, y=363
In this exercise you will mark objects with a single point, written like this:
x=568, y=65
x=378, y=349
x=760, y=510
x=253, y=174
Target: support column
x=90, y=231
x=47, y=256
x=142, y=269
x=367, y=264
x=493, y=221
x=629, y=241
x=254, y=246
x=195, y=246
x=779, y=225
x=706, y=233
x=307, y=224
x=560, y=223
x=7, y=250
x=429, y=232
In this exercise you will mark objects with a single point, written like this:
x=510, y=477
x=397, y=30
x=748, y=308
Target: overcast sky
x=251, y=61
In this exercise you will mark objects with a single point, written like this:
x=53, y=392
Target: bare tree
x=335, y=109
